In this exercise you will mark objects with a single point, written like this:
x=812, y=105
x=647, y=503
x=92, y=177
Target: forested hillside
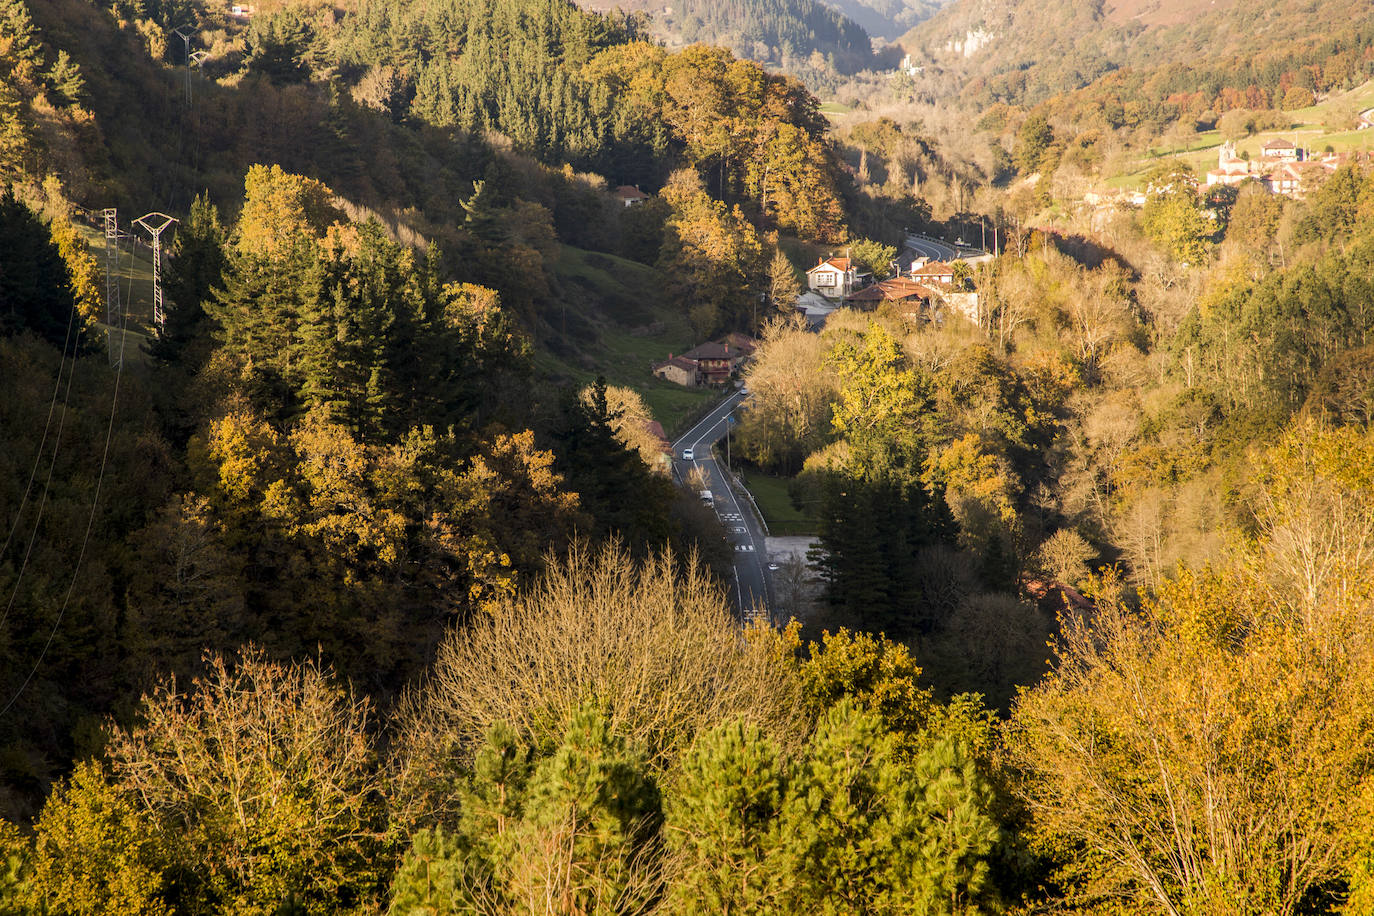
x=887, y=19
x=1158, y=63
x=795, y=35
x=363, y=584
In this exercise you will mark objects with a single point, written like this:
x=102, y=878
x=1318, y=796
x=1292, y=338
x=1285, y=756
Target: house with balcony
x=834, y=278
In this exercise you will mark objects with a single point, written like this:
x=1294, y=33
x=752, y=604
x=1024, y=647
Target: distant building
x=1287, y=180
x=1231, y=169
x=629, y=195
x=938, y=272
x=898, y=289
x=678, y=370
x=1281, y=150
x=707, y=364
x=714, y=363
x=833, y=277
x=741, y=347
x=1283, y=168
x=965, y=305
x=241, y=11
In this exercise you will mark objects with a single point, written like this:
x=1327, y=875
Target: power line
x=90, y=521
x=38, y=456
x=47, y=484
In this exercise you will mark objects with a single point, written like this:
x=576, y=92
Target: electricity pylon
x=186, y=37
x=154, y=224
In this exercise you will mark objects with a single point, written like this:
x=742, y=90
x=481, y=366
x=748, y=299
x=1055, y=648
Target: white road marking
x=721, y=415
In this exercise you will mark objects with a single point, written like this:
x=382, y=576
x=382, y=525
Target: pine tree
x=574, y=832
x=66, y=80
x=196, y=267
x=592, y=799
x=258, y=313
x=432, y=876
x=35, y=288
x=865, y=833
x=613, y=484
x=833, y=816
x=723, y=820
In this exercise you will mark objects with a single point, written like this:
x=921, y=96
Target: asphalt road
x=930, y=248
x=751, y=588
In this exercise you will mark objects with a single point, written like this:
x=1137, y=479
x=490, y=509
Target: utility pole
x=727, y=443
x=154, y=224
x=114, y=311
x=186, y=37
x=111, y=265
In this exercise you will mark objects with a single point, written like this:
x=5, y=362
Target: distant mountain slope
x=768, y=31
x=1026, y=51
x=887, y=19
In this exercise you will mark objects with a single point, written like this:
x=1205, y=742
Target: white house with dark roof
x=1281, y=150
x=629, y=195
x=937, y=272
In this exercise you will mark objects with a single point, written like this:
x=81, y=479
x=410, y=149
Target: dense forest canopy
x=1173, y=61
x=364, y=584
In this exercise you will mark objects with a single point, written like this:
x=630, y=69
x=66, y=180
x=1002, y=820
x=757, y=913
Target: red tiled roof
x=629, y=192
x=933, y=269
x=893, y=291
x=837, y=263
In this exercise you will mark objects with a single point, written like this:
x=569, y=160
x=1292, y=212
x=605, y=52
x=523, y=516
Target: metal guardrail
x=732, y=480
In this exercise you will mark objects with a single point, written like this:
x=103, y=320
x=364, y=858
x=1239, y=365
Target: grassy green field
x=135, y=277
x=784, y=519
x=135, y=293
x=617, y=322
x=1309, y=130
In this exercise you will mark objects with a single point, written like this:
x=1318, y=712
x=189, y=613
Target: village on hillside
x=920, y=288
x=1282, y=168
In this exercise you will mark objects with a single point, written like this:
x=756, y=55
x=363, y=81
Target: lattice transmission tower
x=154, y=224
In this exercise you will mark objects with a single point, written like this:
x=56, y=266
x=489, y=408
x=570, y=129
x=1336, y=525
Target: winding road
x=752, y=588
x=930, y=248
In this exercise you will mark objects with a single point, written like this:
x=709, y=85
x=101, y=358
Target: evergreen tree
x=66, y=80
x=723, y=819
x=594, y=799
x=614, y=485
x=196, y=267
x=866, y=834
x=278, y=45
x=258, y=314
x=573, y=833
x=875, y=510
x=35, y=287
x=431, y=878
